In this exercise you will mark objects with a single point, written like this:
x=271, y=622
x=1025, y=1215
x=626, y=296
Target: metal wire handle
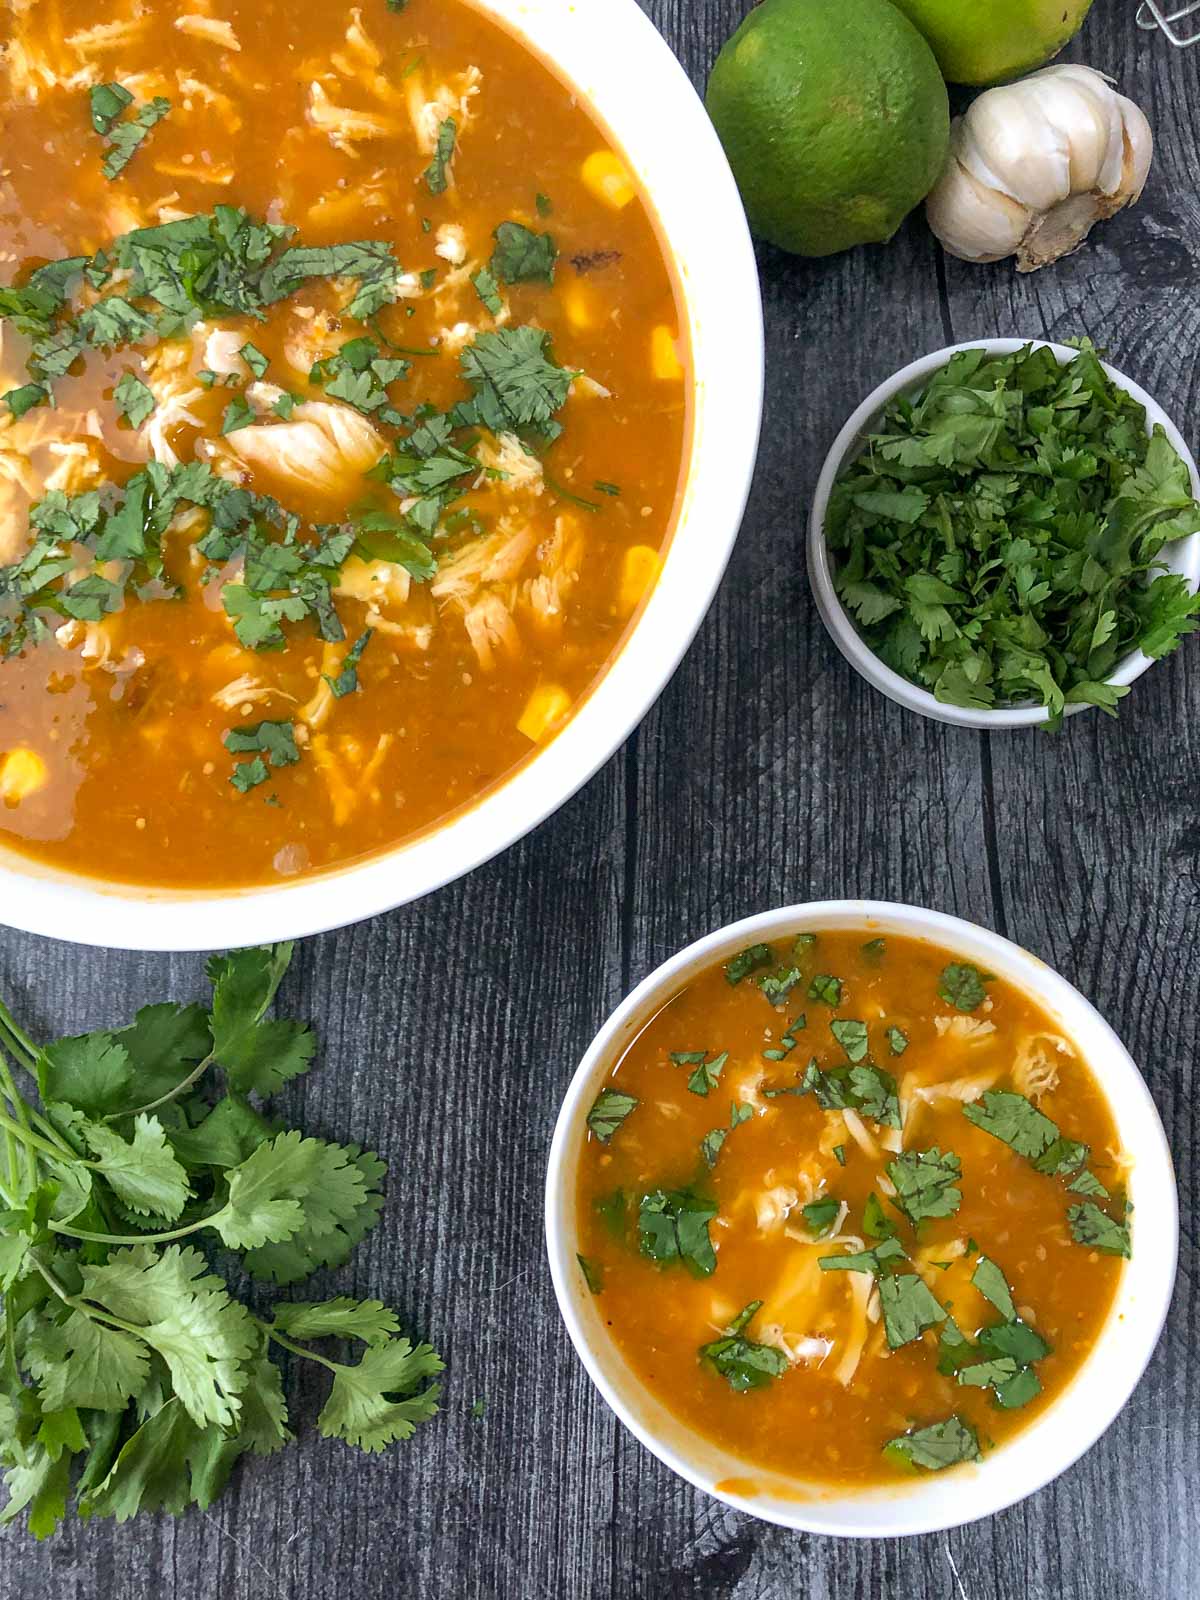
x=1151, y=15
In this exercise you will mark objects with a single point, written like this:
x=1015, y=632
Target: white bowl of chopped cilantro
x=1004, y=1472
x=1006, y=532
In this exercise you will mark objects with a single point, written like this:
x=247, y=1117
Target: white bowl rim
x=605, y=49
x=841, y=626
x=1087, y=1405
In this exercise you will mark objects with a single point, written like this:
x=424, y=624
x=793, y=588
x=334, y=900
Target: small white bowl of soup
x=502, y=408
x=861, y=1219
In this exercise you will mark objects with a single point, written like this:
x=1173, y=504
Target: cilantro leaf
x=712, y=1142
x=342, y=1318
x=875, y=1261
x=609, y=1111
x=852, y=1036
x=933, y=1449
x=743, y=1364
x=437, y=173
x=1098, y=1231
x=80, y=1362
x=286, y=1184
x=1014, y=1120
x=826, y=989
x=962, y=985
x=142, y=1171
x=485, y=287
x=516, y=384
x=523, y=256
x=135, y=400
x=91, y=1073
x=593, y=1273
x=897, y=1040
x=820, y=1216
x=380, y=1400
x=186, y=1316
x=993, y=1286
x=257, y=1055
x=707, y=1072
x=317, y=1244
x=673, y=1226
x=925, y=1182
x=125, y=137
x=748, y=961
x=909, y=1307
x=107, y=101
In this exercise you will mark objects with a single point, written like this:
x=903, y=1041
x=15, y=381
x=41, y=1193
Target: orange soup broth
x=137, y=785
x=806, y=1424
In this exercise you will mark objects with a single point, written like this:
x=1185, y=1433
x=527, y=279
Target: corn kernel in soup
x=853, y=1207
x=343, y=413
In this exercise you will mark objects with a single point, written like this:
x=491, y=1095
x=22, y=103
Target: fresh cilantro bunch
x=998, y=541
x=131, y=1378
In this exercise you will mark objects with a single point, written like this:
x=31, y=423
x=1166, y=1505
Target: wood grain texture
x=768, y=772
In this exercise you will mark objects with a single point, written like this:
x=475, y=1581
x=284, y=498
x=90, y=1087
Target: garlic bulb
x=1034, y=164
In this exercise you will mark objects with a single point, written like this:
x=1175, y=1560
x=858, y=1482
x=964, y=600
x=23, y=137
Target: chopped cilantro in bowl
x=1005, y=533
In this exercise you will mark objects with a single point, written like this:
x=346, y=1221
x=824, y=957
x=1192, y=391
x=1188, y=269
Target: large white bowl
x=614, y=56
x=1183, y=556
x=1068, y=1426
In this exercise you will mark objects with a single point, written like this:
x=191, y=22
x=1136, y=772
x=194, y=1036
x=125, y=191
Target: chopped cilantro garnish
x=873, y=950
x=748, y=961
x=254, y=359
x=673, y=1226
x=601, y=487
x=107, y=101
x=1088, y=1183
x=1097, y=1230
x=866, y=1088
x=522, y=256
x=1014, y=1120
x=743, y=1364
x=239, y=413
x=875, y=1224
x=962, y=985
x=874, y=1261
x=826, y=989
x=777, y=986
x=593, y=1273
x=897, y=1040
x=25, y=398
x=543, y=204
x=517, y=386
x=925, y=1181
x=486, y=288
x=135, y=400
x=437, y=173
x=852, y=1036
x=707, y=1072
x=710, y=1145
x=125, y=137
x=285, y=405
x=820, y=1216
x=346, y=681
x=265, y=742
x=609, y=1111
x=787, y=1041
x=909, y=1306
x=932, y=1449
x=839, y=1152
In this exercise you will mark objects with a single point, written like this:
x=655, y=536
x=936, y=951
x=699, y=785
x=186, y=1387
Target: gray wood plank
x=768, y=772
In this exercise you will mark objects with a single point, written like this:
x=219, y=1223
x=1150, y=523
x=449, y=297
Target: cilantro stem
x=135, y=1238
x=77, y=1303
x=296, y=1349
x=172, y=1094
x=34, y=1141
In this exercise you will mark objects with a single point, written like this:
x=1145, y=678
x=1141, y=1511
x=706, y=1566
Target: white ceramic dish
x=1056, y=1438
x=1182, y=557
x=614, y=56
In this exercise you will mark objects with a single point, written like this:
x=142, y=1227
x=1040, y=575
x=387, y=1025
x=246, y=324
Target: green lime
x=987, y=41
x=835, y=119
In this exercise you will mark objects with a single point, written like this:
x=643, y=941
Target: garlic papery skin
x=1034, y=164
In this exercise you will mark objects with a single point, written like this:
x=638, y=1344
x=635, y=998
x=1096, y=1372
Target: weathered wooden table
x=768, y=773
